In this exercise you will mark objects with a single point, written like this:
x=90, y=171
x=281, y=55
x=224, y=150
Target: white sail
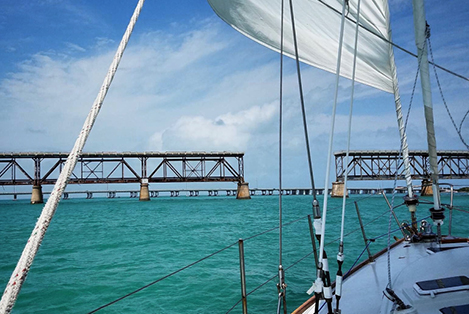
x=317, y=27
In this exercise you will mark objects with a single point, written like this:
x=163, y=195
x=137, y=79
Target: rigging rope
x=316, y=210
x=267, y=281
x=303, y=111
x=394, y=44
x=444, y=100
x=394, y=190
x=32, y=246
x=462, y=121
x=344, y=198
x=340, y=255
x=162, y=278
x=319, y=285
x=461, y=210
x=280, y=136
x=231, y=245
x=281, y=286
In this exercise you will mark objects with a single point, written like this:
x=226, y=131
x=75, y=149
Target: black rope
x=356, y=261
x=260, y=286
x=194, y=263
x=233, y=307
x=309, y=254
x=223, y=249
x=306, y=216
x=391, y=43
x=300, y=86
x=275, y=228
x=164, y=277
x=299, y=261
x=462, y=121
x=411, y=99
x=281, y=286
x=269, y=280
x=364, y=225
x=425, y=202
x=444, y=100
x=461, y=210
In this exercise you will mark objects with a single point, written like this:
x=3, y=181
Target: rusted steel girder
x=127, y=167
x=383, y=165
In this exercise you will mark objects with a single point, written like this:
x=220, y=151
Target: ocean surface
x=98, y=250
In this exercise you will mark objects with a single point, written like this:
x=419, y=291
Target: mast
x=420, y=26
x=421, y=33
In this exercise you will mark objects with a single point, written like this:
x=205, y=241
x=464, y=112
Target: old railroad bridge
x=37, y=169
x=383, y=165
x=388, y=164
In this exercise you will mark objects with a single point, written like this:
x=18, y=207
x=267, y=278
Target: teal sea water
x=97, y=250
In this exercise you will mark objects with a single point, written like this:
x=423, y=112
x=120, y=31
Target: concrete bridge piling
x=144, y=192
x=243, y=191
x=36, y=195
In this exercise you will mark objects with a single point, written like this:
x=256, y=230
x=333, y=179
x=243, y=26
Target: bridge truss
x=128, y=167
x=383, y=165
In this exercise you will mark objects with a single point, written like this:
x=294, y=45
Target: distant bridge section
x=383, y=165
x=37, y=169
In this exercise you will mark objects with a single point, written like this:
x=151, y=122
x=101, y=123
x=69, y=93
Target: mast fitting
x=437, y=215
x=412, y=203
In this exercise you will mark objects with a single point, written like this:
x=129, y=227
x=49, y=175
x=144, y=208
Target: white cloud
x=102, y=42
x=73, y=47
x=198, y=91
x=231, y=131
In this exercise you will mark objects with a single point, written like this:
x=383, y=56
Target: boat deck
x=429, y=277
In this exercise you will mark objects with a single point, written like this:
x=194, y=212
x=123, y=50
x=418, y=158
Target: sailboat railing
x=244, y=295
x=365, y=239
x=242, y=273
x=242, y=267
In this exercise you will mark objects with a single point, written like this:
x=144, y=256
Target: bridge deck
x=38, y=168
x=150, y=154
x=384, y=164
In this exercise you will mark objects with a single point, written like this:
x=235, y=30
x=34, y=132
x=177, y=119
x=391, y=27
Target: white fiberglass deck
x=410, y=263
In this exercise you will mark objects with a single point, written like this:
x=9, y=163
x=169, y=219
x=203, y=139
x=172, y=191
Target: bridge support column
x=36, y=195
x=144, y=193
x=338, y=189
x=426, y=188
x=243, y=191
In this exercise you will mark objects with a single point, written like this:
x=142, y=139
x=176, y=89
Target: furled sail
x=317, y=26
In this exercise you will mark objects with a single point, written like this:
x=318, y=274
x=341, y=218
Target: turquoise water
x=98, y=250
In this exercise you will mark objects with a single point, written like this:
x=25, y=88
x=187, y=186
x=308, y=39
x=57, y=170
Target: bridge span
x=37, y=169
x=387, y=164
x=384, y=164
x=189, y=192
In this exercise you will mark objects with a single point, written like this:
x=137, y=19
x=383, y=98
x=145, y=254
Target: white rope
x=318, y=285
x=400, y=123
x=350, y=123
x=280, y=134
x=340, y=254
x=281, y=274
x=22, y=268
x=331, y=136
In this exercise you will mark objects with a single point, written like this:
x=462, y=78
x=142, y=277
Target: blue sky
x=189, y=82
